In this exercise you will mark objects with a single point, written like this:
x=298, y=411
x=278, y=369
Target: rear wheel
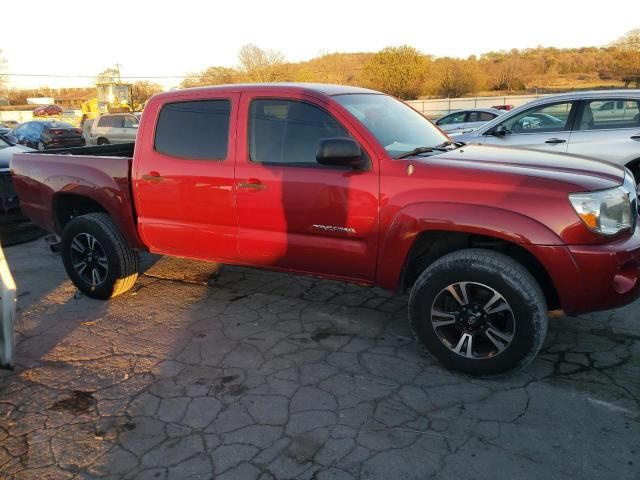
x=97, y=257
x=478, y=312
x=40, y=146
x=103, y=141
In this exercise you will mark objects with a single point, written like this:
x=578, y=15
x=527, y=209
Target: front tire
x=478, y=312
x=97, y=257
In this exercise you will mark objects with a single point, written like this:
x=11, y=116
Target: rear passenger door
x=184, y=177
x=608, y=133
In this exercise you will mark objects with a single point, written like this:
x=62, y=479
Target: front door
x=543, y=127
x=294, y=213
x=183, y=177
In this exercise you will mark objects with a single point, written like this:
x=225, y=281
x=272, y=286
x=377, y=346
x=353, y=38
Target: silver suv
x=601, y=124
x=114, y=128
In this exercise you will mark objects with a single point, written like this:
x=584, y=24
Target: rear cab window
x=197, y=129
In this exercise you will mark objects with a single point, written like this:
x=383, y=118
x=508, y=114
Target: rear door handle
x=555, y=140
x=252, y=184
x=635, y=137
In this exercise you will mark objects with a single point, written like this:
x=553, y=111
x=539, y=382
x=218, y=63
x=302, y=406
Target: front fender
x=412, y=220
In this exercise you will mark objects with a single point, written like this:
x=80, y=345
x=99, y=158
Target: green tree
x=398, y=71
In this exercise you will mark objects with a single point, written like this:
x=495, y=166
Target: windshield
x=395, y=125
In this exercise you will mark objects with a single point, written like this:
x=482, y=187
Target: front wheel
x=97, y=257
x=478, y=312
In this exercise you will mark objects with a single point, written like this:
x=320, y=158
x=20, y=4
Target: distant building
x=40, y=101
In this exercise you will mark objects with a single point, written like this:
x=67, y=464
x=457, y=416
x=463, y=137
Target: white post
x=7, y=314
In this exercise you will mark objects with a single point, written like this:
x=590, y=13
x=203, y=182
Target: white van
x=114, y=128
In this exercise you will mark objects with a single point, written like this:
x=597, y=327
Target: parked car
x=349, y=183
x=114, y=128
x=467, y=120
x=8, y=198
x=504, y=107
x=47, y=111
x=600, y=124
x=46, y=134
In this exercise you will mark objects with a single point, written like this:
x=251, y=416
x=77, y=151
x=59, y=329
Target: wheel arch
x=423, y=232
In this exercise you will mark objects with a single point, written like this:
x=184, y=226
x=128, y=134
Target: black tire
x=103, y=141
x=523, y=321
x=121, y=261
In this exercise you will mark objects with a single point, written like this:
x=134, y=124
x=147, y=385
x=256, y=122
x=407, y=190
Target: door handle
x=252, y=185
x=153, y=177
x=635, y=137
x=555, y=140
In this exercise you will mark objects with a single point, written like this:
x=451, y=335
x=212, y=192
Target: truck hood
x=583, y=173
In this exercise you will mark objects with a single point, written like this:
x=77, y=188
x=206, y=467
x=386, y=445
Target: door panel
x=294, y=213
x=608, y=129
x=184, y=182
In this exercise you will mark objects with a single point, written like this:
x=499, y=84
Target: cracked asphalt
x=205, y=371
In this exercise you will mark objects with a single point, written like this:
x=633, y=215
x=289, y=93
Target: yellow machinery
x=112, y=98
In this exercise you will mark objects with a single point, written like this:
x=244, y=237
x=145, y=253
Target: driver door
x=543, y=127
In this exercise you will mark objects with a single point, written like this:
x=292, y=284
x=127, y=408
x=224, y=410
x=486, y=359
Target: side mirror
x=339, y=151
x=499, y=131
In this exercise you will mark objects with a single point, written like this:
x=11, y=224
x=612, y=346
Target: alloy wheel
x=89, y=259
x=473, y=320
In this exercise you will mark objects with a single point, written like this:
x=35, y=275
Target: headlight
x=608, y=211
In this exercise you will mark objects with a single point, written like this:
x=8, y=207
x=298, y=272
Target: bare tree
x=142, y=91
x=108, y=75
x=4, y=80
x=628, y=57
x=210, y=76
x=262, y=65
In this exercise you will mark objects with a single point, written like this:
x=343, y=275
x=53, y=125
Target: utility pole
x=118, y=69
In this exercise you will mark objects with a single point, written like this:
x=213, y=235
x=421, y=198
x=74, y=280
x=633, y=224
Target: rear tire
x=478, y=312
x=40, y=146
x=103, y=141
x=97, y=257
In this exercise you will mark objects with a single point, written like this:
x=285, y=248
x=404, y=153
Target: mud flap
x=7, y=314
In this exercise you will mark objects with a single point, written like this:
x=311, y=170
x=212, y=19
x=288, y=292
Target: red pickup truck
x=351, y=184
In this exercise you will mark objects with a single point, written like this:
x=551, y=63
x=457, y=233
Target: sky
x=158, y=39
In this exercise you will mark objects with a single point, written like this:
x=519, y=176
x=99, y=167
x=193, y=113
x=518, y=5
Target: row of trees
x=408, y=73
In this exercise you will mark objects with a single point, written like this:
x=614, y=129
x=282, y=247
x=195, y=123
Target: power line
x=159, y=77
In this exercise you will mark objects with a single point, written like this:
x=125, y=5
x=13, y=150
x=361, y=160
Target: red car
x=351, y=184
x=47, y=111
x=503, y=107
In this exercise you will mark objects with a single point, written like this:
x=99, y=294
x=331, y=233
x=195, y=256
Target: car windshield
x=397, y=127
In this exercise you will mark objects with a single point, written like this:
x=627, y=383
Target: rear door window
x=599, y=115
x=196, y=130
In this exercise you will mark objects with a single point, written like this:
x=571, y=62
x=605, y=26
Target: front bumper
x=590, y=278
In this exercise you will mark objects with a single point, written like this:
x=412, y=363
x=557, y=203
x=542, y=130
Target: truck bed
x=48, y=184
